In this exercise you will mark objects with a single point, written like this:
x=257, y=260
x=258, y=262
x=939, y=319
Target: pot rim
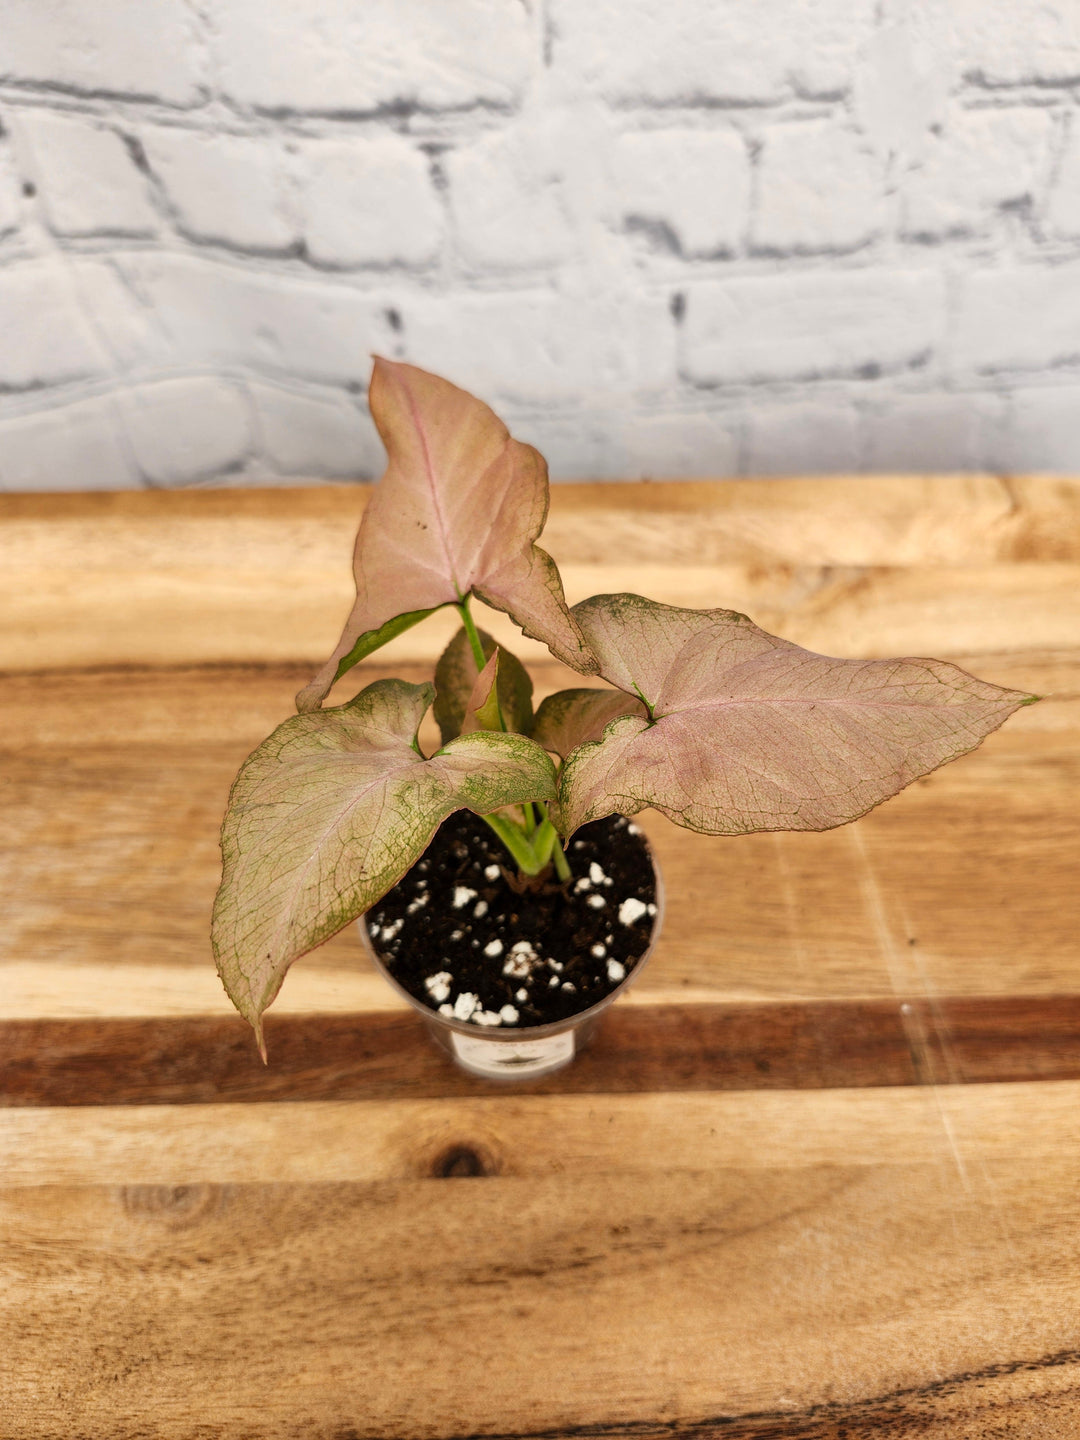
x=512, y=1033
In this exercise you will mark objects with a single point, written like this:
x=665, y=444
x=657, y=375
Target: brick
x=326, y=56
x=802, y=438
x=85, y=176
x=144, y=49
x=69, y=447
x=507, y=201
x=40, y=305
x=1045, y=432
x=1063, y=207
x=929, y=434
x=369, y=202
x=542, y=346
x=655, y=52
x=10, y=200
x=983, y=160
x=611, y=444
x=208, y=312
x=187, y=429
x=228, y=188
x=679, y=446
x=1018, y=317
x=307, y=436
x=1001, y=42
x=811, y=324
x=819, y=188
x=695, y=183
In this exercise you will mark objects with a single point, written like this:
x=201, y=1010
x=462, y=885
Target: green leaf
x=457, y=512
x=330, y=811
x=570, y=718
x=456, y=674
x=750, y=732
x=373, y=640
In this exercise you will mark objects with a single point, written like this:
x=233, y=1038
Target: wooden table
x=819, y=1175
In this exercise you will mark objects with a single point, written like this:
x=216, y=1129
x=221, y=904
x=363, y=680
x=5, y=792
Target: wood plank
x=825, y=1287
x=639, y=1049
x=535, y=1134
x=115, y=783
x=845, y=566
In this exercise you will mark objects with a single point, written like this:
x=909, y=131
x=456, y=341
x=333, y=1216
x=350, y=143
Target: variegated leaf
x=457, y=512
x=749, y=732
x=330, y=811
x=570, y=718
x=455, y=676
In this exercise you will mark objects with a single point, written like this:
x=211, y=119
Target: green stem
x=470, y=631
x=558, y=854
x=517, y=842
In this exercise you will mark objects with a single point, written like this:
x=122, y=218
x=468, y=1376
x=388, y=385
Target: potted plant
x=501, y=882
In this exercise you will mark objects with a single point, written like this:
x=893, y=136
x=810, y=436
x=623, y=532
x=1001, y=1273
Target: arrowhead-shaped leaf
x=457, y=512
x=329, y=813
x=749, y=732
x=570, y=718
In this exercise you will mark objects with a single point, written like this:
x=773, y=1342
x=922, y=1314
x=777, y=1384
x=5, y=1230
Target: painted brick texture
x=663, y=237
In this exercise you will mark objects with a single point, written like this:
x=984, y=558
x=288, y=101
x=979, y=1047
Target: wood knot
x=175, y=1206
x=458, y=1160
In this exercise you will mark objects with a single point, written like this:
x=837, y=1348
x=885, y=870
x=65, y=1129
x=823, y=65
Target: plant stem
x=470, y=631
x=558, y=854
x=517, y=842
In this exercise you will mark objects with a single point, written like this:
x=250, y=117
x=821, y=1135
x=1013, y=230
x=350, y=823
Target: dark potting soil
x=456, y=936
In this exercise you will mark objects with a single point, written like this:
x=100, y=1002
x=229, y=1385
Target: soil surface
x=456, y=936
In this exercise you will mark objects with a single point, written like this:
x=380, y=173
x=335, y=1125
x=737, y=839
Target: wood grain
x=830, y=1283
x=816, y=1178
x=845, y=566
x=640, y=1048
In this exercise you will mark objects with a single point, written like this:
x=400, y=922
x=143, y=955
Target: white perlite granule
x=462, y=896
x=521, y=995
x=417, y=904
x=438, y=986
x=631, y=910
x=465, y=1004
x=615, y=970
x=598, y=952
x=597, y=876
x=493, y=948
x=390, y=931
x=481, y=910
x=485, y=1017
x=508, y=1015
x=597, y=902
x=491, y=873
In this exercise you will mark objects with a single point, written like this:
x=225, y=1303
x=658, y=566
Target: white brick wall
x=663, y=236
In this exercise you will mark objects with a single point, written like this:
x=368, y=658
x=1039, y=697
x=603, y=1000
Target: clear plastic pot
x=519, y=1054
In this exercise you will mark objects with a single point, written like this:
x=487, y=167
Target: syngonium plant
x=720, y=726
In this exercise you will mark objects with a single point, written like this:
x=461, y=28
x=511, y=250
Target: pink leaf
x=457, y=512
x=330, y=811
x=570, y=718
x=749, y=732
x=482, y=706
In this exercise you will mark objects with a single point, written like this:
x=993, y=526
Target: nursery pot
x=519, y=1051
